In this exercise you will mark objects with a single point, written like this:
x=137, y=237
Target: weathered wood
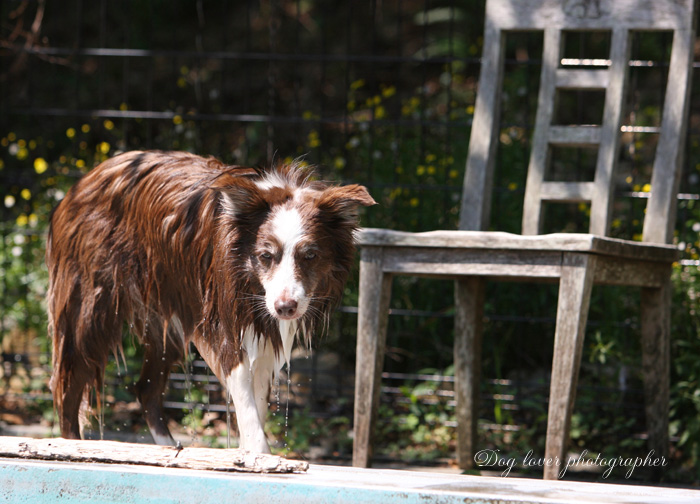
x=469, y=317
x=494, y=240
x=656, y=352
x=608, y=151
x=373, y=313
x=478, y=179
x=540, y=152
x=588, y=14
x=566, y=191
x=574, y=136
x=661, y=208
x=572, y=312
x=631, y=273
x=112, y=452
x=512, y=265
x=579, y=260
x=570, y=78
x=454, y=262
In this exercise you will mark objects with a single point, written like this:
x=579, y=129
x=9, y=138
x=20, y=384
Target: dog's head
x=296, y=239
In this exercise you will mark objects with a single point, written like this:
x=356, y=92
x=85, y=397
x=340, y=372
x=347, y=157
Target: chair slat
x=539, y=154
x=659, y=222
x=593, y=15
x=568, y=78
x=476, y=192
x=608, y=151
x=574, y=136
x=567, y=191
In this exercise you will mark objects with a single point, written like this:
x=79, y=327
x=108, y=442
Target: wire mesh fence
x=379, y=93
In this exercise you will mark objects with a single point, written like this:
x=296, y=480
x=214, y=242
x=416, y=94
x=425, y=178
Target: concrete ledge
x=39, y=482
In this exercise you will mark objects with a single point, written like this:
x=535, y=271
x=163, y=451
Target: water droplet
x=228, y=421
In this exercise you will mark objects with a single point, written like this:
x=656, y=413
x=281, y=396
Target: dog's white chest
x=260, y=352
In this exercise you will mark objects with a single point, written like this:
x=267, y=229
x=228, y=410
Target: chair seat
x=506, y=256
x=496, y=240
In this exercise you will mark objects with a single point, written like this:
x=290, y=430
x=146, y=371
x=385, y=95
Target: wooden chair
x=472, y=254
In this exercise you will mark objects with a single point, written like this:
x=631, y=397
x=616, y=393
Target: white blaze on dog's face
x=283, y=249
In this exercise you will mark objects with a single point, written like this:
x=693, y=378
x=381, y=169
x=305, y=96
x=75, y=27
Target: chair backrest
x=620, y=18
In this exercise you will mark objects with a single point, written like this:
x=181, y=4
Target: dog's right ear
x=241, y=198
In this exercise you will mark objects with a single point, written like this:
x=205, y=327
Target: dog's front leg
x=241, y=387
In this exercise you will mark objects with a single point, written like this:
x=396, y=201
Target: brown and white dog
x=184, y=249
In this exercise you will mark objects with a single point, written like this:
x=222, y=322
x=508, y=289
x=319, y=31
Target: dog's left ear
x=342, y=201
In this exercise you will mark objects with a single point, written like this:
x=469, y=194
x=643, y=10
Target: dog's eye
x=266, y=256
x=309, y=255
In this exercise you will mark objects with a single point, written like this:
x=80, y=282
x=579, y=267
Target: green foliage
x=297, y=430
x=685, y=370
x=418, y=426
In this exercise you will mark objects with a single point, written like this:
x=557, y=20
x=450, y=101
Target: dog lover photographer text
x=492, y=459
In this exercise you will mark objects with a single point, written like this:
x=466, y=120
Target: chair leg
x=656, y=332
x=572, y=313
x=469, y=314
x=373, y=314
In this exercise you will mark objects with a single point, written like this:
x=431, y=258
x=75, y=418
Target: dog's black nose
x=286, y=308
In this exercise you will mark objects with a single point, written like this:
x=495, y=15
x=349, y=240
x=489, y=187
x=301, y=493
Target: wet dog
x=179, y=248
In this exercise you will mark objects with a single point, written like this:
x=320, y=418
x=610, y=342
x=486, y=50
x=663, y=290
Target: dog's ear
x=241, y=198
x=343, y=201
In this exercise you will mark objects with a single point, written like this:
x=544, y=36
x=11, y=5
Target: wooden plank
x=608, y=151
x=469, y=318
x=572, y=313
x=540, y=153
x=566, y=191
x=632, y=273
x=113, y=452
x=527, y=265
x=583, y=15
x=475, y=206
x=660, y=219
x=373, y=313
x=51, y=482
x=574, y=136
x=517, y=265
x=495, y=240
x=656, y=362
x=454, y=262
x=568, y=78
